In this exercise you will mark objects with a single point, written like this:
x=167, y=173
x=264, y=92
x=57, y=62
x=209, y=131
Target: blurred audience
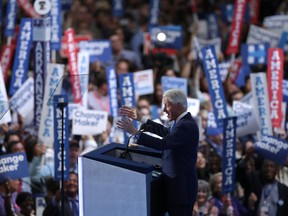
x=202, y=205
x=254, y=175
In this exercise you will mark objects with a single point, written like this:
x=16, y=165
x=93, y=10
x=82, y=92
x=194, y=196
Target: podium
x=113, y=186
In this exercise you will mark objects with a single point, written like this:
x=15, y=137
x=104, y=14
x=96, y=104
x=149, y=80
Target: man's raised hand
x=130, y=112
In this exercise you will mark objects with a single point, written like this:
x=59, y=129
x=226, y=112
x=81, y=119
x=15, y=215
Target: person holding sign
x=179, y=144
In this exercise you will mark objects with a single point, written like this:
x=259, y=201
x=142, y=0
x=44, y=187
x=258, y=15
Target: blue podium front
x=110, y=185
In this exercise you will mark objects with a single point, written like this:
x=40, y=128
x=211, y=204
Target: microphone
x=126, y=154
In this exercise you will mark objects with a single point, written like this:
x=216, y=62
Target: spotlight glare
x=161, y=36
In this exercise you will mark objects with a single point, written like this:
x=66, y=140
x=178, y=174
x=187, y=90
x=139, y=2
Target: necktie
x=172, y=126
x=74, y=208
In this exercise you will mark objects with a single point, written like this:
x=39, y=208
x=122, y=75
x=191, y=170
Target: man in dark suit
x=179, y=144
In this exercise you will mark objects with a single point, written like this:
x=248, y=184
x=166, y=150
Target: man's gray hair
x=176, y=96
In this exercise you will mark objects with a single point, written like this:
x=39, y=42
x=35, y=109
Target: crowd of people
x=261, y=184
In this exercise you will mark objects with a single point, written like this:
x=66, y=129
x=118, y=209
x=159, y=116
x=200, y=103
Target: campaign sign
x=224, y=70
x=253, y=54
x=41, y=38
x=72, y=107
x=61, y=137
x=193, y=106
x=248, y=99
x=146, y=43
x=13, y=166
x=236, y=28
x=274, y=78
x=272, y=148
x=40, y=204
x=112, y=91
x=174, y=82
x=261, y=102
x=5, y=114
x=22, y=54
x=285, y=107
x=154, y=12
x=228, y=157
x=285, y=90
x=213, y=130
x=73, y=65
x=23, y=99
x=28, y=8
x=98, y=50
x=172, y=37
x=247, y=122
x=42, y=7
x=117, y=8
x=11, y=12
x=40, y=64
x=127, y=93
x=227, y=12
x=235, y=70
x=215, y=86
x=202, y=30
x=83, y=70
x=276, y=23
x=42, y=29
x=52, y=86
x=6, y=56
x=260, y=35
x=213, y=28
x=127, y=89
x=283, y=41
x=199, y=43
x=254, y=11
x=89, y=122
x=56, y=24
x=77, y=38
x=143, y=82
x=66, y=4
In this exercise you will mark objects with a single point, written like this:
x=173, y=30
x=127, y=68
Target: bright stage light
x=161, y=36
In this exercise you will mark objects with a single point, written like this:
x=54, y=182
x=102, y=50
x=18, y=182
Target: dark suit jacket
x=180, y=148
x=53, y=208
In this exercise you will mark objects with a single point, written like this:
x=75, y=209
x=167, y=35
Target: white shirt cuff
x=144, y=119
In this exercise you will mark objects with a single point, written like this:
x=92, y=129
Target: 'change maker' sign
x=173, y=36
x=98, y=50
x=13, y=166
x=273, y=149
x=87, y=122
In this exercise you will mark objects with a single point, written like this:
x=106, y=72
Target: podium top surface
x=110, y=154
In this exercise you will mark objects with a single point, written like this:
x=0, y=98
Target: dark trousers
x=171, y=205
x=180, y=210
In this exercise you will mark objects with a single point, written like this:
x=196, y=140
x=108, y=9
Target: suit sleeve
x=157, y=128
x=184, y=134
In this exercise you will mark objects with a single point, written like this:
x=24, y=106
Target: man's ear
x=179, y=107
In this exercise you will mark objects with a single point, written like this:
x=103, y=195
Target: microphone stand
x=126, y=154
x=62, y=105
